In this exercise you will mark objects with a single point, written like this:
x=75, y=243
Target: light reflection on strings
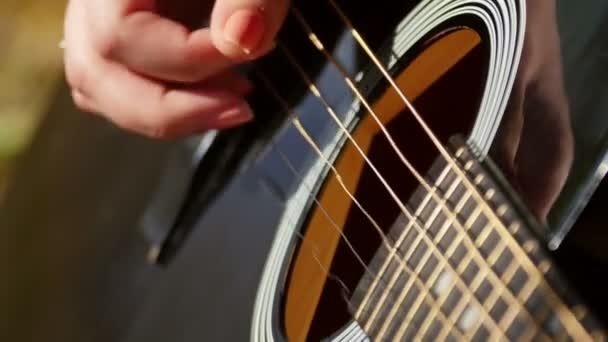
x=317, y=150
x=496, y=280
x=414, y=222
x=571, y=323
x=442, y=150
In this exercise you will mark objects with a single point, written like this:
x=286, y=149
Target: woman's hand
x=144, y=66
x=535, y=143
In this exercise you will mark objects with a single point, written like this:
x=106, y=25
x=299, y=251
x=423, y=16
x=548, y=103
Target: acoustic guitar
x=417, y=149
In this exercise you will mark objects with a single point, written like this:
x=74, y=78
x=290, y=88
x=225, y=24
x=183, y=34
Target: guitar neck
x=464, y=261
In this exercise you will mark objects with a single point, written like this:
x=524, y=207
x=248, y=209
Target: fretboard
x=464, y=263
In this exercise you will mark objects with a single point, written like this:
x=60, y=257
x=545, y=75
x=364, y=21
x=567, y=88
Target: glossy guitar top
x=263, y=252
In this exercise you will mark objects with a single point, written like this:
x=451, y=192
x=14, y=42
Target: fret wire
x=407, y=256
x=524, y=295
x=571, y=322
x=474, y=216
x=309, y=139
x=493, y=257
x=496, y=293
x=449, y=252
x=454, y=244
x=317, y=43
x=460, y=306
x=483, y=237
x=545, y=314
x=462, y=302
x=417, y=303
x=478, y=278
x=412, y=248
x=398, y=242
x=441, y=300
x=459, y=270
x=432, y=278
x=488, y=302
x=475, y=283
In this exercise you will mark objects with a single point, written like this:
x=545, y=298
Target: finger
x=230, y=81
x=83, y=102
x=246, y=29
x=164, y=49
x=147, y=107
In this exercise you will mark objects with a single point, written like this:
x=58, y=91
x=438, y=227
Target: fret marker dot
x=514, y=228
x=443, y=283
x=580, y=312
x=502, y=210
x=479, y=179
x=530, y=246
x=490, y=193
x=359, y=76
x=468, y=165
x=544, y=266
x=468, y=318
x=460, y=153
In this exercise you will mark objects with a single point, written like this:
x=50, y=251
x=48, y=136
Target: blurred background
x=72, y=265
x=30, y=72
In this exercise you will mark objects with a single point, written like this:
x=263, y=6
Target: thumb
x=246, y=29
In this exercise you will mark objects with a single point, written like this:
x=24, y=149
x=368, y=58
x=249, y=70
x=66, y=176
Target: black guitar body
x=276, y=231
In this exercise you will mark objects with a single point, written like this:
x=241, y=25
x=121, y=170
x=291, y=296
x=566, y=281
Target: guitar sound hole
x=445, y=83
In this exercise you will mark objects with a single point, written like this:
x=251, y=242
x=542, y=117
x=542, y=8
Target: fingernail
x=235, y=116
x=245, y=28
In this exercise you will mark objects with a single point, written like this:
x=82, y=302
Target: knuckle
x=159, y=126
x=107, y=43
x=187, y=70
x=162, y=132
x=80, y=102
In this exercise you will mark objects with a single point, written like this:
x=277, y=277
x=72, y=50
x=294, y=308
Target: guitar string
x=500, y=286
x=332, y=222
x=316, y=41
x=413, y=310
x=349, y=193
x=318, y=151
x=314, y=251
x=413, y=221
x=570, y=321
x=351, y=84
x=319, y=45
